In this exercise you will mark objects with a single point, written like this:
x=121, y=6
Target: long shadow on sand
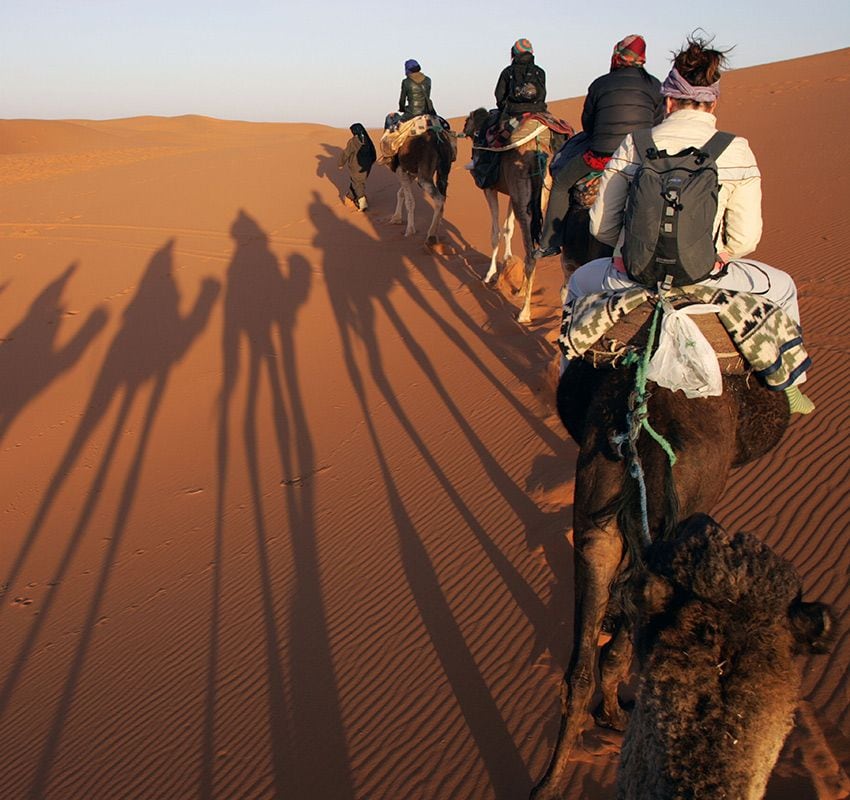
x=307, y=743
x=153, y=338
x=360, y=288
x=29, y=357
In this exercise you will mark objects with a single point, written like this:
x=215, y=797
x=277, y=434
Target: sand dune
x=284, y=496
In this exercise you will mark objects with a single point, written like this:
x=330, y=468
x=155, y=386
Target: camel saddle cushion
x=393, y=139
x=748, y=333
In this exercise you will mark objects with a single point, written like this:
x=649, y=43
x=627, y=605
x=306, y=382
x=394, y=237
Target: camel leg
x=830, y=780
x=397, y=218
x=615, y=665
x=524, y=315
x=404, y=199
x=409, y=204
x=597, y=557
x=439, y=203
x=508, y=233
x=493, y=204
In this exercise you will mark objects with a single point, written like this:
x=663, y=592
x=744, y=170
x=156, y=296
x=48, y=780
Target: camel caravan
x=682, y=359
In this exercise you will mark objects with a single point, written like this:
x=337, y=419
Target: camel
x=709, y=436
x=720, y=623
x=579, y=246
x=521, y=174
x=426, y=158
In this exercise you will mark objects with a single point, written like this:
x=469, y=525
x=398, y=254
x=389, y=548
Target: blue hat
x=411, y=65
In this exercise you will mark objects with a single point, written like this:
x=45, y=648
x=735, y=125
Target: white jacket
x=737, y=226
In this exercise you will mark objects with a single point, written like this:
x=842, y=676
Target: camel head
x=473, y=123
x=720, y=623
x=736, y=580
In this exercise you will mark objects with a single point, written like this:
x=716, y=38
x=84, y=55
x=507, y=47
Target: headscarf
x=678, y=88
x=521, y=46
x=411, y=65
x=359, y=131
x=368, y=158
x=629, y=52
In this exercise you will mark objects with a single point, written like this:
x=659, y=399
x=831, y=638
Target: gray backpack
x=670, y=211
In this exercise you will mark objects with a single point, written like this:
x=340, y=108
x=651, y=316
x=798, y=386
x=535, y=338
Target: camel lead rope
x=637, y=418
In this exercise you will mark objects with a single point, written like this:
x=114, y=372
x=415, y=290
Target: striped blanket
x=767, y=338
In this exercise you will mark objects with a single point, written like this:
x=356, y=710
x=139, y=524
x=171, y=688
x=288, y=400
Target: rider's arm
x=606, y=214
x=501, y=91
x=739, y=202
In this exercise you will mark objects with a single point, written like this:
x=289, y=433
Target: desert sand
x=285, y=500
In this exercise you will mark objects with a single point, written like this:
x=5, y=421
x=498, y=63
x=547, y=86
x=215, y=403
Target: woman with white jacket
x=691, y=91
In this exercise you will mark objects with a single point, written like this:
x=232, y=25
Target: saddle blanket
x=766, y=337
x=393, y=138
x=501, y=134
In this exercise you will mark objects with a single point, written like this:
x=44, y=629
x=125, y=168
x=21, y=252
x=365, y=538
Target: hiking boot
x=362, y=204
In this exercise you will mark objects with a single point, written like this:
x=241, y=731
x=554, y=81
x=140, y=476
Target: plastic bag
x=684, y=358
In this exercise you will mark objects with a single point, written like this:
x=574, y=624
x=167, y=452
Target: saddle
x=631, y=333
x=393, y=138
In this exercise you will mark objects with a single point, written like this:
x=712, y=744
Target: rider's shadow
x=152, y=339
x=327, y=166
x=30, y=353
x=261, y=306
x=362, y=301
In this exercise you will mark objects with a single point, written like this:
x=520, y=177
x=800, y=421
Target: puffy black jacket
x=415, y=96
x=522, y=72
x=618, y=103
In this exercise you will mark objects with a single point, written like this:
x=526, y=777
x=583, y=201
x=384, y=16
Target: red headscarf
x=629, y=52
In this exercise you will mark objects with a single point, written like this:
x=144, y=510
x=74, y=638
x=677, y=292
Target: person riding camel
x=622, y=100
x=521, y=88
x=415, y=98
x=691, y=93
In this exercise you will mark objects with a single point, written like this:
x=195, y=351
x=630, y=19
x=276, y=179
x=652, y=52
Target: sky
x=336, y=62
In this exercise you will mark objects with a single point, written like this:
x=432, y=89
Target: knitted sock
x=800, y=404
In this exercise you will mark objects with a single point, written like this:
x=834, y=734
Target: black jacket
x=415, y=96
x=522, y=72
x=618, y=103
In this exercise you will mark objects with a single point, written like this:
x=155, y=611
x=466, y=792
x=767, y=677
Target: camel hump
x=631, y=333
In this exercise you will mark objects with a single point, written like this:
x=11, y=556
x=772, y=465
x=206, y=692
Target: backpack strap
x=644, y=145
x=717, y=144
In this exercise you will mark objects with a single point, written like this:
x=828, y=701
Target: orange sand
x=284, y=496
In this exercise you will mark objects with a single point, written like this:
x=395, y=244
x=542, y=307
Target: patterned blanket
x=767, y=338
x=501, y=135
x=393, y=138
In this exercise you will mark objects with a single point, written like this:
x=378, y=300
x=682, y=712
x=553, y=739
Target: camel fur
x=720, y=625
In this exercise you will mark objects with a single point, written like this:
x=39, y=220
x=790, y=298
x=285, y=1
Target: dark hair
x=698, y=63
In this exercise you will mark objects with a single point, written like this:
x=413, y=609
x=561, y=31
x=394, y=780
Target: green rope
x=637, y=418
x=640, y=388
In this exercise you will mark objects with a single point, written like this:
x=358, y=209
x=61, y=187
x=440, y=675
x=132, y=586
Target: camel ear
x=656, y=595
x=812, y=625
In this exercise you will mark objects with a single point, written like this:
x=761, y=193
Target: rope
x=637, y=419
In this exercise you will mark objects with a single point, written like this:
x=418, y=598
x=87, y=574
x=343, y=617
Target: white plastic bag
x=684, y=358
